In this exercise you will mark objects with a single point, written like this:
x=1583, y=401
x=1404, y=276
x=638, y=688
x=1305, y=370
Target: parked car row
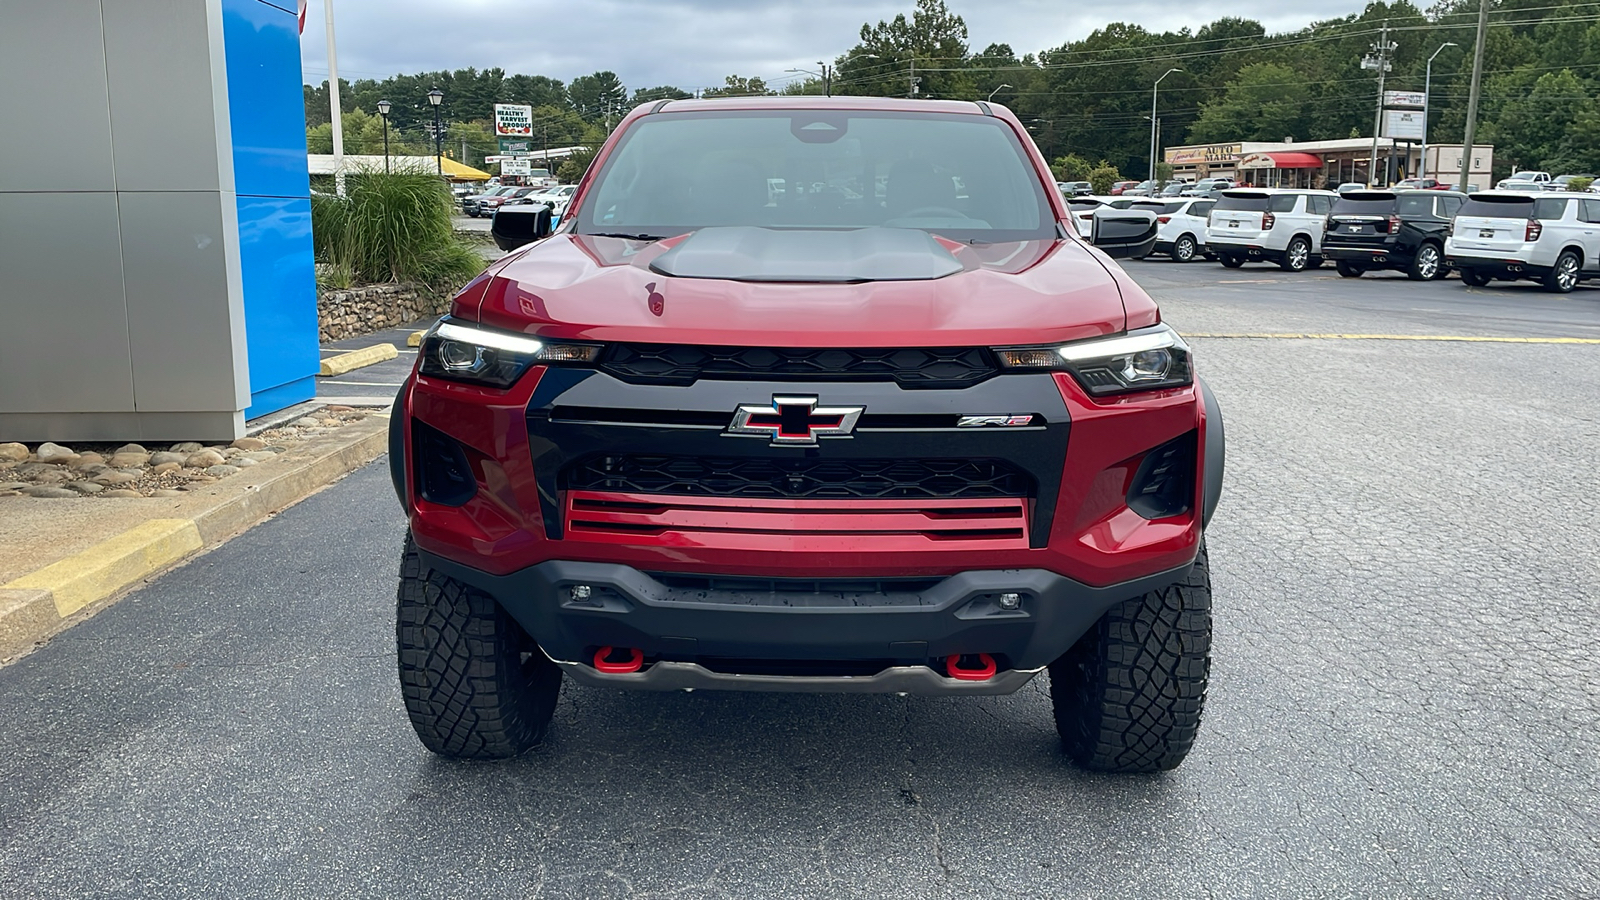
x=1552, y=238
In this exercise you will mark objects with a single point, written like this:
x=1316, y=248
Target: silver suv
x=1551, y=238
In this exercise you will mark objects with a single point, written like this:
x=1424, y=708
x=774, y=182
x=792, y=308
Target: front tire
x=1129, y=694
x=475, y=685
x=1297, y=256
x=1475, y=277
x=1183, y=250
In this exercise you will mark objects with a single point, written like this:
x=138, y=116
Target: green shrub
x=1072, y=167
x=1102, y=178
x=1579, y=184
x=392, y=227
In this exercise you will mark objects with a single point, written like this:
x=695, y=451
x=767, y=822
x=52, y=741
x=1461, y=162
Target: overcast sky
x=695, y=43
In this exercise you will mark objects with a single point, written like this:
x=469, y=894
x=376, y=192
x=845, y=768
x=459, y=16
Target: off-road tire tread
x=1128, y=696
x=467, y=691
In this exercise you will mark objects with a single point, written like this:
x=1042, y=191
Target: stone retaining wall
x=363, y=310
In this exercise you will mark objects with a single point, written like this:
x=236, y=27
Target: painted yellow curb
x=1401, y=337
x=415, y=340
x=355, y=359
x=110, y=566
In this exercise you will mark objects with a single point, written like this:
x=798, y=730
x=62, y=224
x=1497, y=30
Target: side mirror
x=515, y=226
x=1123, y=233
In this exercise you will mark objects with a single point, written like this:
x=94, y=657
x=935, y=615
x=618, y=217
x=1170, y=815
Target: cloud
x=695, y=43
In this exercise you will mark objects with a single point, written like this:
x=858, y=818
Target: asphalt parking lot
x=1403, y=701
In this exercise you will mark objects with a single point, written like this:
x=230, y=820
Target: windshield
x=964, y=176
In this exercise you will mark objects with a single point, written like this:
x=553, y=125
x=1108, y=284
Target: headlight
x=1143, y=360
x=460, y=352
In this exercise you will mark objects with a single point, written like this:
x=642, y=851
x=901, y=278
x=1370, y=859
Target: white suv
x=1262, y=224
x=1182, y=225
x=1551, y=238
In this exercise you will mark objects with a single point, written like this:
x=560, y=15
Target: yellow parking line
x=1471, y=339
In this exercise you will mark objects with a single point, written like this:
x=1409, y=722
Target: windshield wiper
x=631, y=237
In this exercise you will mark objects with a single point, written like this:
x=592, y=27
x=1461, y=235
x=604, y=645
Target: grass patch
x=390, y=227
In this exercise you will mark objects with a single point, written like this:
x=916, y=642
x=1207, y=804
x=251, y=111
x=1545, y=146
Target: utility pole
x=333, y=101
x=827, y=79
x=1472, y=95
x=1379, y=60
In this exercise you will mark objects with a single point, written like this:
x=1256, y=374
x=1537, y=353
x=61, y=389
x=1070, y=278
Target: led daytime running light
x=494, y=340
x=1120, y=346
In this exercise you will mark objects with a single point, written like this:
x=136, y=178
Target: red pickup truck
x=809, y=394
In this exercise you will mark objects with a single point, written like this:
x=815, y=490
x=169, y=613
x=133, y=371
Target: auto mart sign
x=1211, y=154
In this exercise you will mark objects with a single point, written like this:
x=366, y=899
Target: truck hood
x=586, y=287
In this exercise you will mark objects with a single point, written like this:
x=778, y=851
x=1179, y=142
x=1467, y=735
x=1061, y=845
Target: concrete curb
x=355, y=359
x=48, y=600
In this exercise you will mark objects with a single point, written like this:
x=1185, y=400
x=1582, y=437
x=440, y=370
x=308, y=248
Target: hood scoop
x=746, y=253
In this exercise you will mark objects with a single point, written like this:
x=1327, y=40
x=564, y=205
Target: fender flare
x=1215, y=455
x=397, y=445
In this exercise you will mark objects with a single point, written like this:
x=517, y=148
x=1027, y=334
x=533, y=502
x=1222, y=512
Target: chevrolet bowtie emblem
x=795, y=421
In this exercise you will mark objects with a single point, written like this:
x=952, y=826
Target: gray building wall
x=121, y=305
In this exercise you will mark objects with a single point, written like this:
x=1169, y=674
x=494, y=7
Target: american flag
x=302, y=16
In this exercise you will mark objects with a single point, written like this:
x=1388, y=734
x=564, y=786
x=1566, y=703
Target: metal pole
x=1427, y=101
x=336, y=114
x=1377, y=124
x=385, y=144
x=1153, y=89
x=911, y=88
x=438, y=136
x=1472, y=95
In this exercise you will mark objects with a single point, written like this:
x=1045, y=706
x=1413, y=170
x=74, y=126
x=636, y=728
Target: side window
x=1202, y=209
x=1415, y=205
x=1282, y=203
x=1321, y=205
x=1591, y=211
x=1550, y=209
x=1449, y=206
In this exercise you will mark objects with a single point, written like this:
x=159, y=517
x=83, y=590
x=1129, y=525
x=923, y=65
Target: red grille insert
x=995, y=523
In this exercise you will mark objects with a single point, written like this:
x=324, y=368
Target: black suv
x=1400, y=230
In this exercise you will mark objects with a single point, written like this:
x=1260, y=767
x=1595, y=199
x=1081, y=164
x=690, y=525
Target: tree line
x=1090, y=98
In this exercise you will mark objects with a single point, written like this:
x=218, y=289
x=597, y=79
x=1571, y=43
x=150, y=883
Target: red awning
x=1296, y=160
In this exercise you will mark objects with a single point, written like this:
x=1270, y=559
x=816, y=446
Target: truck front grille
x=911, y=367
x=814, y=478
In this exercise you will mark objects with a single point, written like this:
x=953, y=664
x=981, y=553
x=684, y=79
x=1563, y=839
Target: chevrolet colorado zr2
x=809, y=394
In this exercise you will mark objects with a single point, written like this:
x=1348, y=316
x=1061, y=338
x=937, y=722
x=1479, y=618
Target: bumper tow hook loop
x=984, y=672
x=633, y=662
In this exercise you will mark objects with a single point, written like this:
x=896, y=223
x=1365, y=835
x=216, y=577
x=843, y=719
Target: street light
x=997, y=90
x=1427, y=80
x=436, y=97
x=824, y=75
x=1153, y=121
x=383, y=110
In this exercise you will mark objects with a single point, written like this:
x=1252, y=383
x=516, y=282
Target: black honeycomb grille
x=887, y=479
x=940, y=367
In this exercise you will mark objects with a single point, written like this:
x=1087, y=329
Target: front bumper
x=713, y=627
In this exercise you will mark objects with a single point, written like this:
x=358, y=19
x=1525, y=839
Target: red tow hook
x=984, y=672
x=631, y=664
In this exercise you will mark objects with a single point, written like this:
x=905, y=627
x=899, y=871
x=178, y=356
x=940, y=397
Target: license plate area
x=1486, y=232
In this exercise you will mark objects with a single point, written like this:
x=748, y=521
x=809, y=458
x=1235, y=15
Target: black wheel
x=475, y=685
x=1348, y=269
x=1296, y=256
x=1183, y=249
x=1475, y=277
x=1563, y=276
x=1427, y=265
x=1128, y=695
x=1231, y=262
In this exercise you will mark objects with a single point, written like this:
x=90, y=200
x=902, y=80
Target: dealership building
x=1325, y=164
